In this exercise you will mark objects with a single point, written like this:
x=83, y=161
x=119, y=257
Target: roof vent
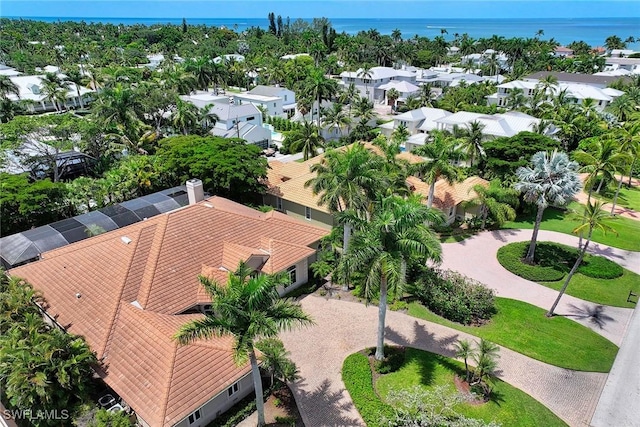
x=78, y=295
x=125, y=240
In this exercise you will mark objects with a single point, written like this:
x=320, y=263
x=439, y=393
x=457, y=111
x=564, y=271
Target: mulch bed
x=286, y=408
x=464, y=388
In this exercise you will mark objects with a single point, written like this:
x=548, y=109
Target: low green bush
x=600, y=268
x=358, y=379
x=553, y=261
x=453, y=296
x=286, y=420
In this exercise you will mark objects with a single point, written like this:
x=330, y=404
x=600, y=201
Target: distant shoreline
x=593, y=31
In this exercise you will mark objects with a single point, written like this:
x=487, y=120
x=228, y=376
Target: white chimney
x=195, y=191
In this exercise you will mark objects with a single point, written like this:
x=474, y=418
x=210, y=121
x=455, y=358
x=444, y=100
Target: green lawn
x=612, y=292
x=556, y=220
x=509, y=405
x=628, y=198
x=524, y=328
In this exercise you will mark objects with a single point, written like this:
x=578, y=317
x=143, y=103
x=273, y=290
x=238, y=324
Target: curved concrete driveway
x=343, y=328
x=476, y=257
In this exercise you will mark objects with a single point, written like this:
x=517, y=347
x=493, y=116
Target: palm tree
x=516, y=99
x=439, y=155
x=365, y=74
x=553, y=180
x=275, y=360
x=306, y=138
x=55, y=88
x=8, y=87
x=319, y=88
x=629, y=137
x=247, y=309
x=471, y=139
x=495, y=200
x=78, y=80
x=119, y=107
x=348, y=94
x=336, y=118
x=380, y=248
x=548, y=84
x=201, y=69
x=206, y=118
x=623, y=107
x=601, y=160
x=185, y=116
x=593, y=217
x=465, y=351
x=392, y=96
x=427, y=96
x=347, y=180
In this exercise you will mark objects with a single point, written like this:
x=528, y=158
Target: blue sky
x=455, y=9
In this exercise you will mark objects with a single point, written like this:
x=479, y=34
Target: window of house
x=292, y=274
x=279, y=203
x=285, y=97
x=250, y=118
x=274, y=105
x=194, y=417
x=232, y=390
x=307, y=212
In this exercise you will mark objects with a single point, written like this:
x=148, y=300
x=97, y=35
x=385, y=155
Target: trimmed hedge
x=553, y=262
x=357, y=377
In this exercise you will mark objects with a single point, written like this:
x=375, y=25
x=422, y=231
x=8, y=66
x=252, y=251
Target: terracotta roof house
x=129, y=290
x=287, y=193
x=450, y=198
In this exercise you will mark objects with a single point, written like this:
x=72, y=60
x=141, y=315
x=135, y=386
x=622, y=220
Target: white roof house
x=226, y=58
x=369, y=82
x=577, y=92
x=288, y=96
x=30, y=89
x=294, y=56
x=8, y=71
x=497, y=125
x=420, y=120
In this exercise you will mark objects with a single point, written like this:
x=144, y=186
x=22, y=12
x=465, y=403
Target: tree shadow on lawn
x=324, y=406
x=594, y=313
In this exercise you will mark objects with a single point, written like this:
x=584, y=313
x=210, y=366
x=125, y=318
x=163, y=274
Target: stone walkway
x=343, y=328
x=475, y=257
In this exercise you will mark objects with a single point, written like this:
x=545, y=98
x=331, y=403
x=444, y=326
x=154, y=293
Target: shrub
x=286, y=420
x=356, y=374
x=454, y=296
x=394, y=359
x=600, y=268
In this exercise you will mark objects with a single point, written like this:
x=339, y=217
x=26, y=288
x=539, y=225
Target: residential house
x=405, y=90
x=295, y=55
x=128, y=291
x=287, y=104
x=601, y=82
x=451, y=199
x=8, y=71
x=234, y=119
x=622, y=53
x=417, y=121
x=577, y=93
x=369, y=82
x=228, y=58
x=562, y=52
x=31, y=89
x=154, y=61
x=632, y=65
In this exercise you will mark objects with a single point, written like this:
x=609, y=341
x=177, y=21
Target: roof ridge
x=154, y=253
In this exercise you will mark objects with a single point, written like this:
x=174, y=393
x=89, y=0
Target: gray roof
x=575, y=77
x=266, y=90
x=243, y=128
x=27, y=246
x=225, y=112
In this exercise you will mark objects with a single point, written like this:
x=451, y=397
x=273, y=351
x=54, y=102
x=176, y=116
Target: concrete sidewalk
x=475, y=257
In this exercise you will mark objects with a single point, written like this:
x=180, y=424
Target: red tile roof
x=123, y=291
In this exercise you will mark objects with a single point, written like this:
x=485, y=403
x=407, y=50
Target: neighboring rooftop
x=448, y=195
x=573, y=78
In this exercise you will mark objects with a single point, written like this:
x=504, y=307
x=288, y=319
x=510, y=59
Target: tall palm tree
x=365, y=74
x=629, y=136
x=593, y=218
x=548, y=84
x=602, y=159
x=319, y=88
x=74, y=76
x=306, y=138
x=471, y=138
x=349, y=94
x=347, y=180
x=380, y=248
x=336, y=118
x=392, y=97
x=495, y=200
x=55, y=87
x=439, y=154
x=247, y=309
x=185, y=116
x=623, y=107
x=516, y=99
x=201, y=69
x=552, y=180
x=119, y=107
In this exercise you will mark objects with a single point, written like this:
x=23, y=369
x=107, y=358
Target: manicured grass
x=524, y=328
x=509, y=406
x=556, y=220
x=595, y=280
x=628, y=197
x=613, y=292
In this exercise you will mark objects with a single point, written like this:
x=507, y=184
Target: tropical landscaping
x=386, y=243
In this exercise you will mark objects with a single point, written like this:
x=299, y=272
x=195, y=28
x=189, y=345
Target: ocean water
x=593, y=31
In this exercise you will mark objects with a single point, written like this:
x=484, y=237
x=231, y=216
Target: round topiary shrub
x=600, y=268
x=548, y=267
